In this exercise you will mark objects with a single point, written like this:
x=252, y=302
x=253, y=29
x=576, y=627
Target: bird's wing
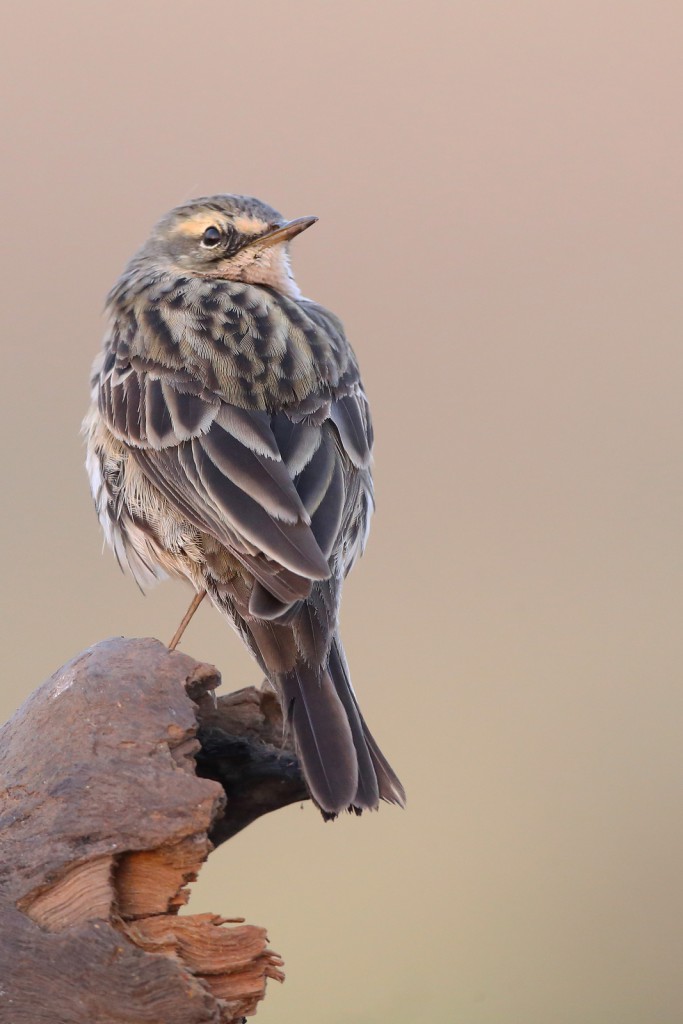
x=274, y=489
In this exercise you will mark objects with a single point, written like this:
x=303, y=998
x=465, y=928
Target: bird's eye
x=211, y=237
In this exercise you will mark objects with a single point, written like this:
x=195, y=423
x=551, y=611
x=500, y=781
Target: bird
x=229, y=444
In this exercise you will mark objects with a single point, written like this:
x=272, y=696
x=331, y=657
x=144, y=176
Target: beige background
x=501, y=225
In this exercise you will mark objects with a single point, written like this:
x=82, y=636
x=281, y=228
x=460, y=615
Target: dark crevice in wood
x=243, y=747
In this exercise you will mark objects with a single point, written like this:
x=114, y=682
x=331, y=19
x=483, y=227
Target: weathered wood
x=243, y=747
x=104, y=822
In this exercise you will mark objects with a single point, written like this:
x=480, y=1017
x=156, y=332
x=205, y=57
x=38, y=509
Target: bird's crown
x=246, y=215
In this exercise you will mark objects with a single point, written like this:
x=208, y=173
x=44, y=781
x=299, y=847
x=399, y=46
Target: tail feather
x=343, y=765
x=387, y=784
x=367, y=793
x=323, y=736
x=390, y=786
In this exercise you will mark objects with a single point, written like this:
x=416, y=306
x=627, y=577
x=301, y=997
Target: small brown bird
x=229, y=443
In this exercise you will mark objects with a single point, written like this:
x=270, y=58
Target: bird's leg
x=196, y=601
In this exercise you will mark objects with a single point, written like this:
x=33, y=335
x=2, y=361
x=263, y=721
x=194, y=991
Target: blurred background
x=501, y=229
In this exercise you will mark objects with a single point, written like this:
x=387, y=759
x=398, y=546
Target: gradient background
x=499, y=187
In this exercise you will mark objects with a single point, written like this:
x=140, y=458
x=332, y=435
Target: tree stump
x=118, y=776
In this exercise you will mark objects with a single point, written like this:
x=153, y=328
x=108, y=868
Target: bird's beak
x=285, y=233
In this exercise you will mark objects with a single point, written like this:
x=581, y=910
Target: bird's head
x=235, y=238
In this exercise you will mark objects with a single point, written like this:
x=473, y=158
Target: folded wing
x=276, y=490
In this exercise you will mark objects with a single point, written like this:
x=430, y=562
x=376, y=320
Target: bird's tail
x=343, y=766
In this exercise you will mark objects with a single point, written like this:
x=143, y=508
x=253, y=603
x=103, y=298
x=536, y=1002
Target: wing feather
x=349, y=417
x=251, y=427
x=278, y=489
x=159, y=423
x=327, y=519
x=260, y=476
x=133, y=399
x=291, y=544
x=190, y=414
x=315, y=478
x=297, y=442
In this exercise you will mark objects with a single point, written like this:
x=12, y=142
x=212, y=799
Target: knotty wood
x=117, y=778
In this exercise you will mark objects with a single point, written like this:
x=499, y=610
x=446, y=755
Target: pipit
x=229, y=443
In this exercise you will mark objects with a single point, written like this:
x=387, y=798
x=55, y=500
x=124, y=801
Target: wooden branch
x=243, y=747
x=103, y=823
